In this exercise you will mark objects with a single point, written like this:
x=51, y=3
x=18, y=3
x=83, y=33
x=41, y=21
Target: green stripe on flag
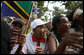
x=26, y=5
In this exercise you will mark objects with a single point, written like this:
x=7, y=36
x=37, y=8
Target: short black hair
x=18, y=21
x=55, y=21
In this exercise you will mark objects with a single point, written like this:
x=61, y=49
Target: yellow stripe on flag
x=21, y=8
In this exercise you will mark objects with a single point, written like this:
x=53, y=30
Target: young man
x=36, y=41
x=15, y=27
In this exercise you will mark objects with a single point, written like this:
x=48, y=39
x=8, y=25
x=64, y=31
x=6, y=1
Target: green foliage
x=58, y=11
x=40, y=3
x=29, y=30
x=72, y=5
x=42, y=9
x=46, y=18
x=69, y=5
x=16, y=18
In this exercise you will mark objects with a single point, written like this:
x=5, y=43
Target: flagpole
x=27, y=24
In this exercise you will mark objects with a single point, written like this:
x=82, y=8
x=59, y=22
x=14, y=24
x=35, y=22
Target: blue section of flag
x=6, y=11
x=35, y=11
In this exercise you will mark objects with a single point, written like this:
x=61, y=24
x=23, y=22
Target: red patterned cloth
x=38, y=41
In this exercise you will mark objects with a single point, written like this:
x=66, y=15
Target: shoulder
x=51, y=37
x=29, y=37
x=56, y=40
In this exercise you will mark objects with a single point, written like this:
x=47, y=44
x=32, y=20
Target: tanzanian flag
x=20, y=9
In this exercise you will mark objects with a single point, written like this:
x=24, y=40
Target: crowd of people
x=64, y=35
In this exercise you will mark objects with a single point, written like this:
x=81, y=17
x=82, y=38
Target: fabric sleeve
x=25, y=47
x=14, y=49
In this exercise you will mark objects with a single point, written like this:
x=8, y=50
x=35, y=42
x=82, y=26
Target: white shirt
x=30, y=46
x=14, y=49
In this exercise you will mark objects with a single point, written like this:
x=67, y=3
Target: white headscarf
x=77, y=12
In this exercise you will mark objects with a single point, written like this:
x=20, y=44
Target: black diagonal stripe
x=18, y=9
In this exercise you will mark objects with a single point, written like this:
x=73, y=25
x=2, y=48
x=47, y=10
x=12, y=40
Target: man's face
x=17, y=25
x=40, y=31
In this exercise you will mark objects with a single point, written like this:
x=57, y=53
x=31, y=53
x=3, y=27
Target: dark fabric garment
x=5, y=37
x=58, y=36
